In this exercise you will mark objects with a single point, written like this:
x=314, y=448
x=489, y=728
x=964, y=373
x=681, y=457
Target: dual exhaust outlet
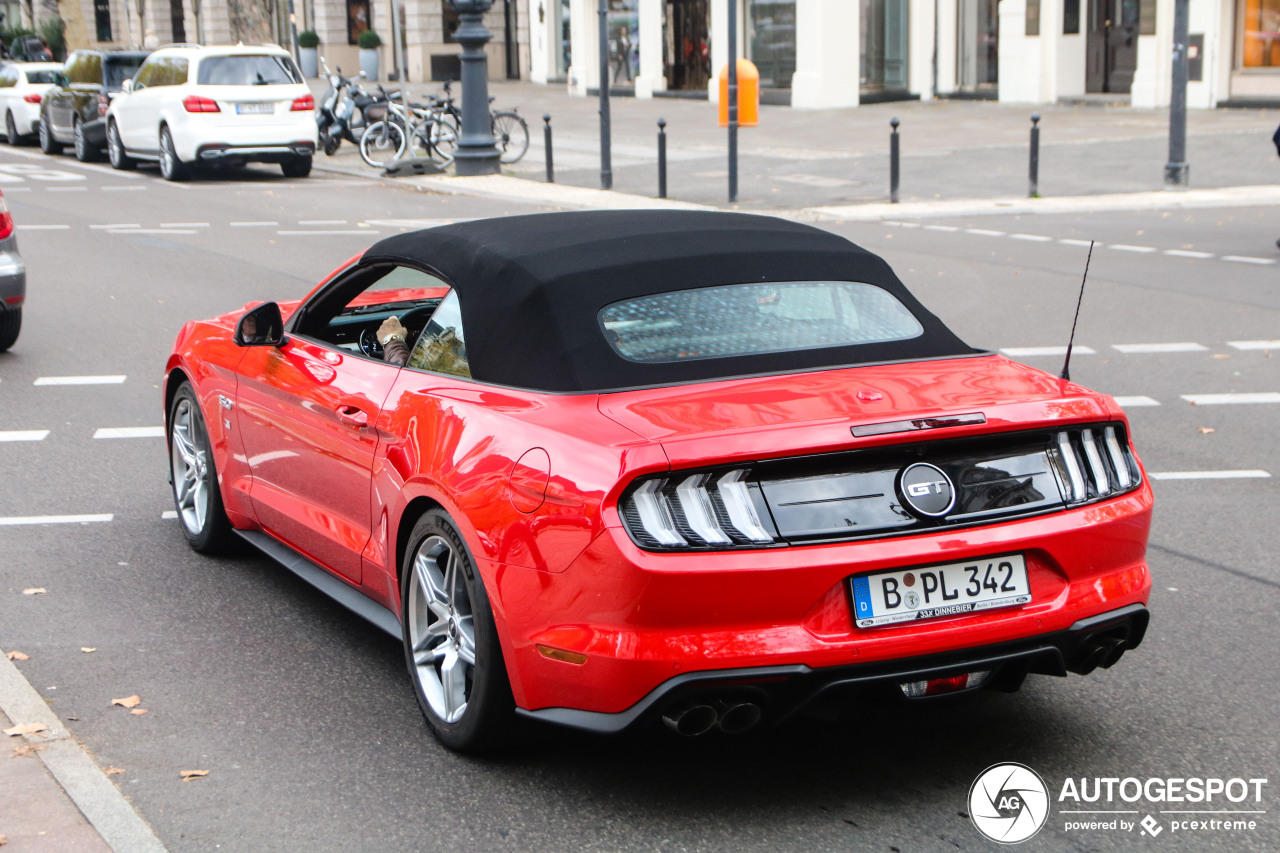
x=696, y=718
x=1099, y=650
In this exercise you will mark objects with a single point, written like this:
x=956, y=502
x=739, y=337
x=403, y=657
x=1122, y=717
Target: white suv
x=224, y=104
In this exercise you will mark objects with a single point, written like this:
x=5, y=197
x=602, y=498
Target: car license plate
x=936, y=591
x=263, y=108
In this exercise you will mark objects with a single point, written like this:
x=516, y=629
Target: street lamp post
x=1177, y=171
x=477, y=154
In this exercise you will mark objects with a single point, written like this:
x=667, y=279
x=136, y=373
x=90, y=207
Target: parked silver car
x=13, y=280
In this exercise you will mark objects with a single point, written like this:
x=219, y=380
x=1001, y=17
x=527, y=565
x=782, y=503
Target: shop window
x=102, y=19
x=449, y=20
x=357, y=19
x=1261, y=36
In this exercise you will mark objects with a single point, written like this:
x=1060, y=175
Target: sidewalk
x=801, y=160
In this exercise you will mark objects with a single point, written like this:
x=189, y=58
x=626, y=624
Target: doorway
x=687, y=46
x=1111, y=46
x=884, y=46
x=977, y=46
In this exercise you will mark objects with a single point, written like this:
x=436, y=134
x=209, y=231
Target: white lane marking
x=115, y=225
x=909, y=225
x=322, y=222
x=1134, y=402
x=44, y=227
x=24, y=435
x=1027, y=351
x=151, y=231
x=1232, y=399
x=891, y=224
x=1034, y=238
x=1187, y=253
x=1144, y=348
x=409, y=223
x=79, y=380
x=14, y=520
x=984, y=232
x=252, y=224
x=1253, y=345
x=1069, y=242
x=9, y=190
x=1121, y=247
x=940, y=228
x=121, y=189
x=184, y=224
x=169, y=515
x=1243, y=474
x=1238, y=259
x=365, y=232
x=68, y=189
x=130, y=432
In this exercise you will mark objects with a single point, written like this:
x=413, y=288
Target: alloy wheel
x=11, y=129
x=189, y=456
x=441, y=628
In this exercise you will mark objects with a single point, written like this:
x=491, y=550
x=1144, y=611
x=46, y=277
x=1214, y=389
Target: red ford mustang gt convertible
x=705, y=468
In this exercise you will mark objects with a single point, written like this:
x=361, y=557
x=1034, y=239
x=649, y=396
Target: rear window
x=248, y=70
x=120, y=68
x=754, y=319
x=40, y=76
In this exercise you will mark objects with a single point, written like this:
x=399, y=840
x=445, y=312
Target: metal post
x=893, y=161
x=733, y=101
x=546, y=143
x=477, y=154
x=662, y=158
x=1177, y=172
x=1034, y=189
x=606, y=154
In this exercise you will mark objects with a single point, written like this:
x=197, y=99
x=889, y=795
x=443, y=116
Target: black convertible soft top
x=531, y=289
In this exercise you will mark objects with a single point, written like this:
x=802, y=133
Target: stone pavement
x=798, y=160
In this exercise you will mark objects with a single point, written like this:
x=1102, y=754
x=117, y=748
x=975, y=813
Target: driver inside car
x=392, y=335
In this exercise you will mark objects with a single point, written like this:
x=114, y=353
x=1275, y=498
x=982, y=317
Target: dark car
x=75, y=110
x=30, y=49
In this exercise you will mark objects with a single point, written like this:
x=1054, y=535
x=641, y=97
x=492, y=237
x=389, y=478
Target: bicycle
x=510, y=131
x=408, y=126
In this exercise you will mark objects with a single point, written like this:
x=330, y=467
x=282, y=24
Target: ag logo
x=927, y=490
x=1008, y=803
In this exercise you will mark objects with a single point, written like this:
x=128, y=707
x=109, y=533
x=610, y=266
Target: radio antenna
x=1072, y=339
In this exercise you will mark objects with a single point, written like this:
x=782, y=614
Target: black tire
x=194, y=477
x=511, y=134
x=11, y=134
x=297, y=167
x=115, y=150
x=437, y=620
x=171, y=168
x=48, y=144
x=85, y=152
x=10, y=326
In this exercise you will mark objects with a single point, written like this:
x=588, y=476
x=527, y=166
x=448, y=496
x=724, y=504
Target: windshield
x=248, y=70
x=753, y=319
x=119, y=69
x=40, y=76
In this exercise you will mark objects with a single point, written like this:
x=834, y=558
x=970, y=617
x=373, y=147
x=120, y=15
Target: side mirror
x=61, y=80
x=261, y=327
x=127, y=86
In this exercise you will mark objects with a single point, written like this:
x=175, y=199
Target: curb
x=81, y=778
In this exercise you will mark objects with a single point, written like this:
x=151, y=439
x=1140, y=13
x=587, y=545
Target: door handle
x=353, y=415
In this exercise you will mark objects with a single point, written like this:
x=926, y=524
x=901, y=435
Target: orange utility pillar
x=748, y=94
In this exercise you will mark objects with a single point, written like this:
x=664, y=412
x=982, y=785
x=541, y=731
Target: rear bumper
x=95, y=132
x=255, y=153
x=13, y=276
x=782, y=691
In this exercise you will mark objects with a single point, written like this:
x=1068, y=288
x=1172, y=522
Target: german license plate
x=936, y=591
x=263, y=108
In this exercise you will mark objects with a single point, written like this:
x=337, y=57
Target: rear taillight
x=33, y=98
x=693, y=511
x=104, y=101
x=1094, y=462
x=306, y=102
x=6, y=218
x=197, y=104
x=943, y=686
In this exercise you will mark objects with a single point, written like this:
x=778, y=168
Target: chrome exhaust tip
x=691, y=720
x=739, y=717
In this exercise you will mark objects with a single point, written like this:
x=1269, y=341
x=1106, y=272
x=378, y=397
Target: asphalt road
x=302, y=713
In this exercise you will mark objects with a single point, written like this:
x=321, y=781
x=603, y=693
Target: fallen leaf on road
x=113, y=771
x=1205, y=430
x=27, y=729
x=87, y=649
x=128, y=702
x=27, y=749
x=34, y=590
x=3, y=841
x=16, y=656
x=138, y=712
x=1222, y=355
x=188, y=775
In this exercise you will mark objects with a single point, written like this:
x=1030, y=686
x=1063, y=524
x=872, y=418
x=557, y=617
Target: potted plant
x=308, y=53
x=369, y=42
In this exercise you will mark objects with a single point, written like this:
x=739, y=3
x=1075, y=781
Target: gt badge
x=926, y=490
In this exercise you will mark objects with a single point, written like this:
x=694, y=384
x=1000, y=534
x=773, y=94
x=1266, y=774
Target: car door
x=307, y=413
x=58, y=100
x=9, y=78
x=134, y=110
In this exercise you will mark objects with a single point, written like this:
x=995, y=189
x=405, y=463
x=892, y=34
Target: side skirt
x=348, y=596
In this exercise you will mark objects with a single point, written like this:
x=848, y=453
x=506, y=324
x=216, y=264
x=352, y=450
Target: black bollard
x=546, y=143
x=1034, y=191
x=893, y=161
x=662, y=158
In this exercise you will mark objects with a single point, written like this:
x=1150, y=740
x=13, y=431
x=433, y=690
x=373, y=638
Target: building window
x=102, y=18
x=1261, y=36
x=357, y=19
x=771, y=41
x=449, y=19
